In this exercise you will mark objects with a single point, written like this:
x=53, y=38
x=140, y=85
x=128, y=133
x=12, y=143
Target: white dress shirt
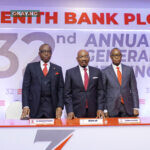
x=82, y=72
x=42, y=65
x=115, y=68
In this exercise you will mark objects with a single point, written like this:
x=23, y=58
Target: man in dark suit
x=43, y=85
x=121, y=95
x=83, y=89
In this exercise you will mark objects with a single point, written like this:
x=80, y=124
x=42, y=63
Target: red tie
x=119, y=75
x=45, y=71
x=86, y=79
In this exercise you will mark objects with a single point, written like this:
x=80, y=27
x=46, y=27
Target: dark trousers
x=85, y=114
x=46, y=109
x=122, y=112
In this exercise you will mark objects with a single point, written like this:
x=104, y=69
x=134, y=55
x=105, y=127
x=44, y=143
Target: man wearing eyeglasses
x=121, y=94
x=42, y=91
x=84, y=95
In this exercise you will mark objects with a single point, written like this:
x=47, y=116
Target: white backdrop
x=19, y=43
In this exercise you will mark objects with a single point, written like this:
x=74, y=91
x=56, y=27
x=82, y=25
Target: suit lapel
x=51, y=71
x=112, y=72
x=39, y=71
x=123, y=73
x=79, y=78
x=90, y=76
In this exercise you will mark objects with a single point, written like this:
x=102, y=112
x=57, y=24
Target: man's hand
x=106, y=115
x=135, y=112
x=25, y=113
x=100, y=114
x=71, y=115
x=58, y=112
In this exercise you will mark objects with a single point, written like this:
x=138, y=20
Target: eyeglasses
x=87, y=56
x=45, y=51
x=119, y=55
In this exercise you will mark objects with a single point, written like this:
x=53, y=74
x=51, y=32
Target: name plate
x=91, y=121
x=129, y=121
x=41, y=121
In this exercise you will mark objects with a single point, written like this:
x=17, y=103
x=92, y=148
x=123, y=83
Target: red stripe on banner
x=2, y=103
x=19, y=91
x=63, y=143
x=142, y=101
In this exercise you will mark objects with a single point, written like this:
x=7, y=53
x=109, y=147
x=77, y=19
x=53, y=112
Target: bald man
x=43, y=87
x=84, y=95
x=121, y=94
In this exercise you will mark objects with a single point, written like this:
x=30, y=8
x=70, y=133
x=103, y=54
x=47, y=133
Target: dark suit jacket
x=114, y=92
x=76, y=96
x=31, y=89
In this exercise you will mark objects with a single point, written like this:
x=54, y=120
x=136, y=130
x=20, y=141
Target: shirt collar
x=81, y=68
x=42, y=62
x=114, y=66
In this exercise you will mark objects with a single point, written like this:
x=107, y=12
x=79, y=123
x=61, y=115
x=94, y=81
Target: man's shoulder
x=126, y=66
x=107, y=68
x=33, y=63
x=73, y=69
x=55, y=66
x=94, y=68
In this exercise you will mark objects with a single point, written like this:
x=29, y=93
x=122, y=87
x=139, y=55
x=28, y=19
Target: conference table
x=76, y=134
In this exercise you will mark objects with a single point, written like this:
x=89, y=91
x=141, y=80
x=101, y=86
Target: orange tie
x=45, y=71
x=119, y=75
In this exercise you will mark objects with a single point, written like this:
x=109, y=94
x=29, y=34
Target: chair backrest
x=14, y=110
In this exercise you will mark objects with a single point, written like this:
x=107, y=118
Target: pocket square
x=95, y=77
x=57, y=73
